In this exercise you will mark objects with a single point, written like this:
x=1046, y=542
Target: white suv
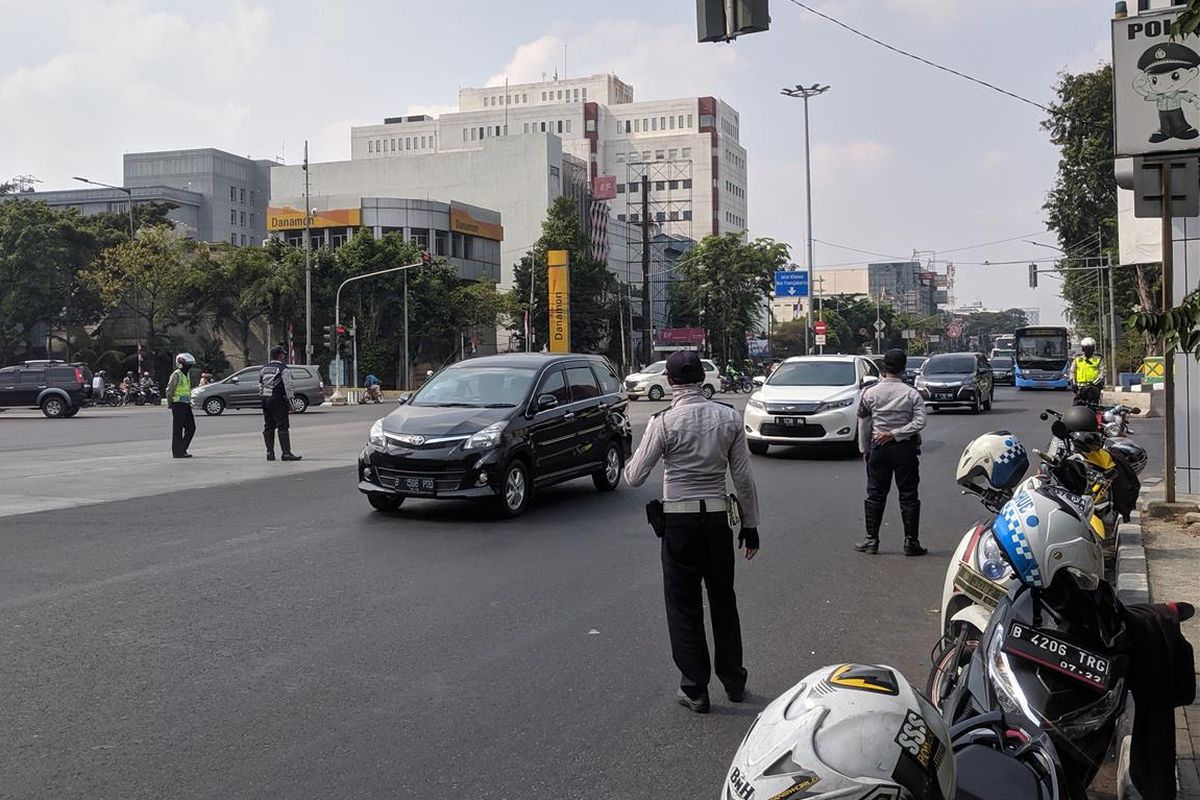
x=808, y=400
x=652, y=382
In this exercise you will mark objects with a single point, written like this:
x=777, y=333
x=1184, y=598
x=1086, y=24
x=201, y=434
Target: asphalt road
x=275, y=638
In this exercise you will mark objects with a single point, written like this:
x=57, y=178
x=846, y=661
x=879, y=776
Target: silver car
x=240, y=390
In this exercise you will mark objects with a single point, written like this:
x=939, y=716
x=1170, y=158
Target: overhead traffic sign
x=791, y=283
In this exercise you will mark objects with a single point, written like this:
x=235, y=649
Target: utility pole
x=647, y=322
x=308, y=345
x=1168, y=298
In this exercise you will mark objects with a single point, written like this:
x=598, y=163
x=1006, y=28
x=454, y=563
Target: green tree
x=241, y=290
x=594, y=290
x=723, y=287
x=788, y=337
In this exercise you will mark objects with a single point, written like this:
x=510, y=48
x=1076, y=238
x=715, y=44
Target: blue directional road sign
x=793, y=283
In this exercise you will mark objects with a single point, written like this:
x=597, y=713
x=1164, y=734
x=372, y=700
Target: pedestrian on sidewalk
x=891, y=416
x=699, y=440
x=275, y=387
x=179, y=401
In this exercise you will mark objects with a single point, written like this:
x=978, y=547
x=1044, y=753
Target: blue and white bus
x=1042, y=358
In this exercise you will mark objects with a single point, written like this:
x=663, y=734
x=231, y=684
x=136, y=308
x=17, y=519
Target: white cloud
x=861, y=158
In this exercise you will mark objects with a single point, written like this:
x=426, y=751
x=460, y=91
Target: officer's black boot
x=873, y=512
x=912, y=530
x=269, y=440
x=285, y=444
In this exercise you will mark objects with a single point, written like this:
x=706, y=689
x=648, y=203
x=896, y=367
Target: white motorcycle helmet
x=996, y=461
x=1044, y=529
x=852, y=730
x=185, y=360
x=1087, y=341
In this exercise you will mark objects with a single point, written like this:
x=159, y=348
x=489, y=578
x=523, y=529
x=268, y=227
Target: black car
x=957, y=379
x=59, y=389
x=498, y=427
x=912, y=367
x=1003, y=369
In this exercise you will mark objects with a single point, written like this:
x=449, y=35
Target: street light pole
x=308, y=345
x=805, y=92
x=129, y=203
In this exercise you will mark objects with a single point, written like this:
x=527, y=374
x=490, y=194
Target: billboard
x=1156, y=86
x=558, y=290
x=604, y=187
x=287, y=218
x=694, y=336
x=461, y=221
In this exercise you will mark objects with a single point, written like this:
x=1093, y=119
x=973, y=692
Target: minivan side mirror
x=869, y=380
x=545, y=402
x=759, y=380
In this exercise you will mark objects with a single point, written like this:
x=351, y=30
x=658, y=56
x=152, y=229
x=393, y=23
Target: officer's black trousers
x=275, y=418
x=699, y=548
x=898, y=460
x=183, y=428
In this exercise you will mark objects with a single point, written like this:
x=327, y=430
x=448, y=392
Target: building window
x=464, y=134
x=441, y=243
x=568, y=126
x=645, y=124
x=560, y=126
x=243, y=240
x=370, y=146
x=233, y=238
x=654, y=123
x=621, y=217
x=543, y=97
x=232, y=217
x=585, y=93
x=689, y=121
x=543, y=127
x=660, y=216
x=620, y=158
x=637, y=126
x=497, y=130
x=420, y=238
x=576, y=94
x=627, y=129
x=554, y=171
x=242, y=195
x=524, y=97
x=672, y=154
x=687, y=214
x=672, y=121
x=560, y=94
x=645, y=155
x=674, y=216
x=660, y=186
x=242, y=221
x=672, y=184
x=527, y=127
x=232, y=194
x=687, y=183
x=481, y=133
x=662, y=123
x=634, y=218
x=658, y=155
x=620, y=188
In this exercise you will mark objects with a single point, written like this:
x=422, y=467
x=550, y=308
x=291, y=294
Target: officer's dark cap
x=894, y=361
x=683, y=366
x=1167, y=57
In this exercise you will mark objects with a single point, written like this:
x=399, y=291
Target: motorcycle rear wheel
x=949, y=665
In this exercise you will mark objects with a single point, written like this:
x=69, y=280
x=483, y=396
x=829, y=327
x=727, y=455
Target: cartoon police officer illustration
x=1167, y=70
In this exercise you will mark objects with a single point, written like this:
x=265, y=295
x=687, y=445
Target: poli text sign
x=558, y=288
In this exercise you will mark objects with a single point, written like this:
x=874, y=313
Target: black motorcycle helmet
x=1080, y=419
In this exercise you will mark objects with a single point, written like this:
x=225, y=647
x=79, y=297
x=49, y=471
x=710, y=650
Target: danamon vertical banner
x=558, y=287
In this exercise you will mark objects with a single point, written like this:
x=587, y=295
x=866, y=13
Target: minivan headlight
x=488, y=437
x=832, y=404
x=375, y=437
x=755, y=402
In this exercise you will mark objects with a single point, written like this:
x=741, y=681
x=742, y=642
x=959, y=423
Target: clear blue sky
x=905, y=157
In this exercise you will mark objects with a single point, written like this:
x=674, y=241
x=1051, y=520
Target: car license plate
x=418, y=485
x=943, y=395
x=1052, y=652
x=790, y=421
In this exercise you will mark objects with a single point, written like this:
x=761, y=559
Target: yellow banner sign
x=558, y=287
x=461, y=221
x=292, y=219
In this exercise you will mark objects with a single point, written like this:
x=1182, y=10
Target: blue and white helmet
x=996, y=461
x=1044, y=529
x=845, y=731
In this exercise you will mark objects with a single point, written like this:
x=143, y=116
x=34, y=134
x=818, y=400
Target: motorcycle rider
x=374, y=388
x=1087, y=376
x=891, y=416
x=128, y=387
x=275, y=387
x=179, y=401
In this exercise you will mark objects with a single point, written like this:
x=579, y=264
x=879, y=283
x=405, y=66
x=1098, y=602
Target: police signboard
x=791, y=283
x=1156, y=86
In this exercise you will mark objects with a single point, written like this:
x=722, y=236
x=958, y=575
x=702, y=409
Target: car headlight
x=832, y=404
x=755, y=402
x=1009, y=693
x=375, y=438
x=920, y=380
x=488, y=437
x=989, y=559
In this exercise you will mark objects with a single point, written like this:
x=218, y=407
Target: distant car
x=59, y=389
x=912, y=367
x=240, y=390
x=998, y=352
x=1003, y=369
x=652, y=382
x=808, y=400
x=498, y=427
x=957, y=379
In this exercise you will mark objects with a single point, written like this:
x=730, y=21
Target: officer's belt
x=695, y=506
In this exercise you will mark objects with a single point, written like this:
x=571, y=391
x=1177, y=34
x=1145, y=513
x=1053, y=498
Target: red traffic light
x=341, y=330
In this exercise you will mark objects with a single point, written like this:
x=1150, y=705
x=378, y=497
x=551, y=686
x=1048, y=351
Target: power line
x=855, y=249
x=943, y=68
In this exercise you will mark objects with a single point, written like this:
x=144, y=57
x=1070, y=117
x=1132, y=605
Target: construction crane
x=24, y=183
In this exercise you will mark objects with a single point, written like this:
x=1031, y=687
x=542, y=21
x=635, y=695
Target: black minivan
x=498, y=427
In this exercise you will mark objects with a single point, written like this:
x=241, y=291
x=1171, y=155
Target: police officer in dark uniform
x=891, y=416
x=699, y=440
x=275, y=385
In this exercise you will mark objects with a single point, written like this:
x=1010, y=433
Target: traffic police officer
x=1086, y=374
x=891, y=416
x=698, y=441
x=275, y=385
x=179, y=401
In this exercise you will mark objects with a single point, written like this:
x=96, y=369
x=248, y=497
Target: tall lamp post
x=805, y=92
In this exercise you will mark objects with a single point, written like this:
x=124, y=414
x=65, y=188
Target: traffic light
x=714, y=25
x=1033, y=276
x=328, y=337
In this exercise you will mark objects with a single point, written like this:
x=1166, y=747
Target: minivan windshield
x=476, y=387
x=813, y=373
x=949, y=365
x=655, y=368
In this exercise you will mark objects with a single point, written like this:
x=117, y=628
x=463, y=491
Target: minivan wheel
x=213, y=406
x=514, y=490
x=54, y=407
x=299, y=404
x=708, y=392
x=987, y=404
x=609, y=478
x=655, y=393
x=385, y=502
x=975, y=404
x=758, y=448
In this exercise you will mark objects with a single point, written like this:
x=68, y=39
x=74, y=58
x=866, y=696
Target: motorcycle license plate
x=1058, y=655
x=418, y=485
x=790, y=421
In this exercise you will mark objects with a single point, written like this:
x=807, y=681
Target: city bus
x=1042, y=358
